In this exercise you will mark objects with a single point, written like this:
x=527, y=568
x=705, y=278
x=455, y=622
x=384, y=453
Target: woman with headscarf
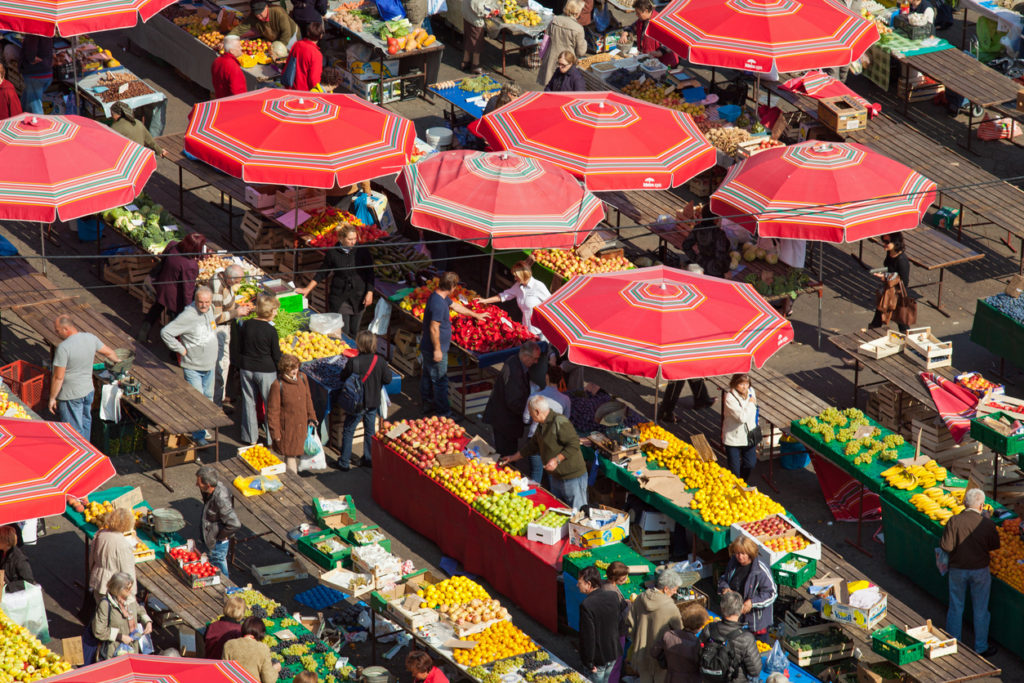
x=127, y=125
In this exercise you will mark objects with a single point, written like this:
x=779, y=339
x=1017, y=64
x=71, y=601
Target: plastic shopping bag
x=25, y=608
x=777, y=662
x=314, y=449
x=381, y=317
x=360, y=207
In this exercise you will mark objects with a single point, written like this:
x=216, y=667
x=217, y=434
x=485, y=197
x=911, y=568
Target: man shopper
x=600, y=620
x=558, y=444
x=219, y=522
x=71, y=389
x=435, y=341
x=226, y=73
x=507, y=401
x=968, y=539
x=739, y=660
x=193, y=336
x=226, y=309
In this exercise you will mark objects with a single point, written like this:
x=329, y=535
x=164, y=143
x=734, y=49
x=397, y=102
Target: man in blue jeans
x=71, y=391
x=968, y=539
x=193, y=336
x=219, y=522
x=434, y=344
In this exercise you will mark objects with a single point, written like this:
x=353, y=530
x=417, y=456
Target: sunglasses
x=563, y=65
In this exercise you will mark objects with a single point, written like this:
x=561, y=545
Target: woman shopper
x=895, y=276
x=374, y=373
x=111, y=552
x=678, y=651
x=567, y=76
x=749, y=576
x=564, y=35
x=290, y=411
x=119, y=619
x=258, y=352
x=305, y=61
x=174, y=280
x=13, y=561
x=228, y=627
x=251, y=652
x=740, y=432
x=473, y=31
x=650, y=616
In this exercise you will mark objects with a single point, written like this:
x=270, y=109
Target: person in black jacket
x=600, y=618
x=13, y=561
x=351, y=289
x=742, y=641
x=373, y=378
x=896, y=262
x=504, y=411
x=256, y=351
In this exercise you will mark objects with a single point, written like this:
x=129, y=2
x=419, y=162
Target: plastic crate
x=909, y=650
x=1007, y=445
x=307, y=546
x=29, y=382
x=901, y=24
x=794, y=579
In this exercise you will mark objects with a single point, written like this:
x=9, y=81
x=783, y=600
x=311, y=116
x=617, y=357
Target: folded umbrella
x=955, y=404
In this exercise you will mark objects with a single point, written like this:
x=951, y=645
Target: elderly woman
x=749, y=576
x=567, y=76
x=258, y=352
x=111, y=552
x=119, y=620
x=175, y=280
x=565, y=34
x=651, y=615
x=12, y=560
x=739, y=426
x=290, y=411
x=528, y=291
x=228, y=627
x=251, y=653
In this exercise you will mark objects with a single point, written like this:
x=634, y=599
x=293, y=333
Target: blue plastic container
x=793, y=456
x=729, y=112
x=89, y=229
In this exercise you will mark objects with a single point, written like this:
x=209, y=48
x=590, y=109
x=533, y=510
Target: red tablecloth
x=524, y=571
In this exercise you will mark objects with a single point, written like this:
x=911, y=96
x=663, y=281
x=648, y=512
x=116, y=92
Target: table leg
x=905, y=72
x=938, y=297
x=216, y=444
x=770, y=478
x=163, y=462
x=373, y=635
x=504, y=53
x=960, y=224
x=860, y=527
x=970, y=124
x=856, y=381
x=995, y=474
x=181, y=194
x=231, y=222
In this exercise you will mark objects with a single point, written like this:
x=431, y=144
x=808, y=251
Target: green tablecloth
x=869, y=475
x=611, y=553
x=90, y=529
x=999, y=333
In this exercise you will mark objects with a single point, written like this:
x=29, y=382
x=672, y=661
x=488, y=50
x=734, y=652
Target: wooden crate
x=253, y=227
x=335, y=428
x=919, y=93
x=308, y=199
x=468, y=394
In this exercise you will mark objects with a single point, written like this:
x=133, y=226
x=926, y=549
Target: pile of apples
x=508, y=511
x=426, y=438
x=497, y=331
x=472, y=480
x=772, y=526
x=568, y=264
x=978, y=385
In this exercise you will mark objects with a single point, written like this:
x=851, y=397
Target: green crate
x=794, y=579
x=307, y=546
x=1007, y=445
x=321, y=514
x=911, y=649
x=347, y=534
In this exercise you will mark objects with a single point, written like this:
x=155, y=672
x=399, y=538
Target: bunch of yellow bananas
x=937, y=504
x=909, y=478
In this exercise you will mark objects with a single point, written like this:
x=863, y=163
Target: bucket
x=439, y=137
x=329, y=324
x=89, y=229
x=376, y=674
x=793, y=455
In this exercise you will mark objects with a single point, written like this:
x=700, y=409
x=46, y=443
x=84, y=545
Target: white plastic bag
x=436, y=7
x=381, y=317
x=25, y=608
x=314, y=458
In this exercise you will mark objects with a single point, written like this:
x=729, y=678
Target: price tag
x=132, y=207
x=464, y=300
x=507, y=323
x=864, y=432
x=171, y=228
x=137, y=223
x=397, y=430
x=123, y=87
x=206, y=20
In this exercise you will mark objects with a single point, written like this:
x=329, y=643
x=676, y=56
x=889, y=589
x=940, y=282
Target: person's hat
x=258, y=6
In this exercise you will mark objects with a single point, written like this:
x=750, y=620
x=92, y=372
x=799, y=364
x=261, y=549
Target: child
x=422, y=668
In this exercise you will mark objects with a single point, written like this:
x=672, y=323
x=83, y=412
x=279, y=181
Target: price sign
x=171, y=228
x=137, y=223
x=123, y=87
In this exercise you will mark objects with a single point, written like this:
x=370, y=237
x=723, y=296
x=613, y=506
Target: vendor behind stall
x=126, y=124
x=644, y=10
x=269, y=22
x=305, y=61
x=351, y=269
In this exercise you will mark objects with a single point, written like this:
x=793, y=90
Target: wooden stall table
x=931, y=249
x=964, y=665
x=780, y=401
x=964, y=75
x=196, y=608
x=173, y=405
x=21, y=284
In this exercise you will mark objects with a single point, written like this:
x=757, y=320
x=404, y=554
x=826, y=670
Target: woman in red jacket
x=305, y=59
x=10, y=103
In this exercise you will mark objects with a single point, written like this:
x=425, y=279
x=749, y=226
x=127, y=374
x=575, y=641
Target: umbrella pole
x=657, y=390
x=42, y=243
x=74, y=71
x=295, y=229
x=821, y=281
x=490, y=272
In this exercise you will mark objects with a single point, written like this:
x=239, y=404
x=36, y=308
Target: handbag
x=754, y=436
x=905, y=313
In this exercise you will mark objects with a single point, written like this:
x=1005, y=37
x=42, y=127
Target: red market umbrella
x=287, y=137
x=662, y=322
x=153, y=669
x=42, y=463
x=826, y=191
x=75, y=17
x=764, y=36
x=611, y=141
x=512, y=201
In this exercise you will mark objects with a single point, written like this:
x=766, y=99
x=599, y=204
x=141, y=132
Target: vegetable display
x=568, y=263
x=150, y=226
x=1008, y=306
x=495, y=332
x=396, y=262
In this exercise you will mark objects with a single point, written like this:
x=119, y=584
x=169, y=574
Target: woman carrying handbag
x=741, y=433
x=894, y=300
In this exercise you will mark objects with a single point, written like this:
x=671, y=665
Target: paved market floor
x=848, y=295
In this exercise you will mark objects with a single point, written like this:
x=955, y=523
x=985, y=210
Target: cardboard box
x=546, y=534
x=842, y=114
x=409, y=612
x=335, y=518
x=1015, y=287
x=772, y=556
x=353, y=583
x=369, y=71
x=174, y=442
x=260, y=196
x=844, y=613
x=656, y=521
x=614, y=527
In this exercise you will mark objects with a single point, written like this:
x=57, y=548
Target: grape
x=1008, y=306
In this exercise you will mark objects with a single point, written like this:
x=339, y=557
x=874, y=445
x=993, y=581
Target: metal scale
x=121, y=373
x=163, y=525
x=611, y=415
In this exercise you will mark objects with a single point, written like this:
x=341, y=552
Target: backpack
x=350, y=396
x=719, y=662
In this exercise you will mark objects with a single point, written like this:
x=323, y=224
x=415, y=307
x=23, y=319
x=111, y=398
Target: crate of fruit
x=777, y=536
x=936, y=643
x=814, y=648
x=191, y=566
x=894, y=644
x=794, y=570
x=365, y=534
x=978, y=385
x=325, y=548
x=1006, y=404
x=353, y=583
x=549, y=528
x=927, y=348
x=260, y=460
x=996, y=430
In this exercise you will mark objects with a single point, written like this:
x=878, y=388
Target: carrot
x=429, y=40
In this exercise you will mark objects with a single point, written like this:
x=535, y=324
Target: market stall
x=999, y=327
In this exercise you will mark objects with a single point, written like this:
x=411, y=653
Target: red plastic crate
x=30, y=382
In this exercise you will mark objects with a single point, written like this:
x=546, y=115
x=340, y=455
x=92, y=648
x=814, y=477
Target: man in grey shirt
x=71, y=389
x=193, y=336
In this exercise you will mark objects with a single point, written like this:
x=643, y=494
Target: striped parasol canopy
x=764, y=36
x=42, y=463
x=288, y=137
x=610, y=140
x=75, y=17
x=826, y=191
x=153, y=669
x=66, y=167
x=509, y=200
x=662, y=322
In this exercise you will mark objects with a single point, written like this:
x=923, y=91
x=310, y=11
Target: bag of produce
x=314, y=449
